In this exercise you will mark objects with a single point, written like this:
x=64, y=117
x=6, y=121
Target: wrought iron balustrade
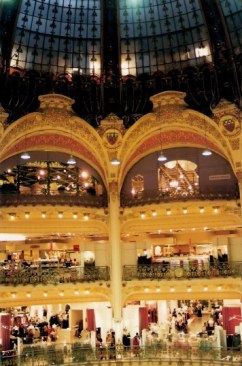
x=77, y=353
x=52, y=275
x=156, y=196
x=16, y=199
x=168, y=271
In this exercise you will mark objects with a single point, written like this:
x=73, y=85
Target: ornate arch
x=173, y=124
x=55, y=127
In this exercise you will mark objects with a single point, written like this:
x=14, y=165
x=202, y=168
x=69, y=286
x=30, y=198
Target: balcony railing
x=16, y=199
x=168, y=271
x=52, y=275
x=76, y=354
x=156, y=196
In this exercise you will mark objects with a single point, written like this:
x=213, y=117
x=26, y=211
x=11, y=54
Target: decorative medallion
x=112, y=137
x=231, y=125
x=111, y=130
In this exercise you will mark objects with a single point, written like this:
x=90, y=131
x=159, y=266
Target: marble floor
x=196, y=323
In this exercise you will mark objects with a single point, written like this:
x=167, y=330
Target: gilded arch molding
x=55, y=128
x=173, y=124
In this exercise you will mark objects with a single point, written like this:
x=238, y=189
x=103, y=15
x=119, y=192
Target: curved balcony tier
x=168, y=271
x=16, y=199
x=155, y=197
x=176, y=352
x=52, y=275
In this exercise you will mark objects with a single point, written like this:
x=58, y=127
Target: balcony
x=17, y=199
x=76, y=354
x=168, y=271
x=36, y=274
x=156, y=197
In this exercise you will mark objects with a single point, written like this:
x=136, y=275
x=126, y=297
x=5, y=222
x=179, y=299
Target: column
x=116, y=263
x=239, y=177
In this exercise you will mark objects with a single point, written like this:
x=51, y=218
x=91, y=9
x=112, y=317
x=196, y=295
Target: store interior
x=174, y=322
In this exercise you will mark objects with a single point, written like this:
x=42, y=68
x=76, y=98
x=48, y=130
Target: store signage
x=220, y=177
x=76, y=247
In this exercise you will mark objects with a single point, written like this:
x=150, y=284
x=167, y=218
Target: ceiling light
x=168, y=211
x=43, y=215
x=12, y=215
x=26, y=215
x=76, y=292
x=172, y=289
x=84, y=174
x=25, y=156
x=205, y=288
x=60, y=215
x=201, y=209
x=75, y=215
x=185, y=211
x=61, y=293
x=161, y=156
x=28, y=294
x=13, y=294
x=174, y=183
x=86, y=216
x=45, y=294
x=154, y=213
x=206, y=152
x=115, y=161
x=142, y=215
x=189, y=289
x=71, y=160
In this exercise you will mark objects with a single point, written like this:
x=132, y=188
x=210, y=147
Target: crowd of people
x=32, y=329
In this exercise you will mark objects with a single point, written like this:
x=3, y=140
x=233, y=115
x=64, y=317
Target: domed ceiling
x=111, y=56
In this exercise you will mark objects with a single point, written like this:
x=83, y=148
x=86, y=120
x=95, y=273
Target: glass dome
x=110, y=56
x=65, y=36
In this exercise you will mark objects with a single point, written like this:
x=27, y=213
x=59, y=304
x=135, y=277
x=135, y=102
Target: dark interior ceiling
x=111, y=56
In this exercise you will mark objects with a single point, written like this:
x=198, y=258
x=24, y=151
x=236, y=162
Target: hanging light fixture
x=25, y=155
x=115, y=161
x=161, y=156
x=206, y=151
x=71, y=160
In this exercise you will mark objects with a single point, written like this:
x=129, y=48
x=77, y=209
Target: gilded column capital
x=113, y=190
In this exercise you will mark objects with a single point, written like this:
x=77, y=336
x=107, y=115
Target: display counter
x=54, y=262
x=183, y=261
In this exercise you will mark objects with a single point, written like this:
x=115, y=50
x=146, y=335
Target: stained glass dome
x=111, y=56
